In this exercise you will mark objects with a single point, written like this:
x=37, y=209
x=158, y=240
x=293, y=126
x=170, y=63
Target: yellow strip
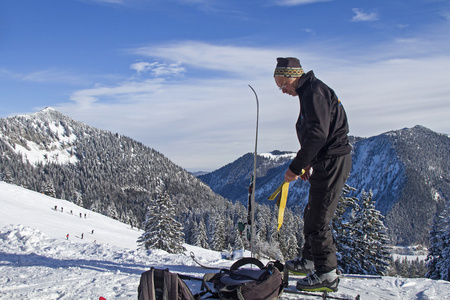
x=281, y=202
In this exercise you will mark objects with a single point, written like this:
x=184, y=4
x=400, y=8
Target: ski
x=205, y=266
x=251, y=204
x=357, y=276
x=348, y=276
x=323, y=295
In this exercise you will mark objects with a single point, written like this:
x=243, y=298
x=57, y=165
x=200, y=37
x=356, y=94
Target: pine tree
x=372, y=237
x=218, y=242
x=342, y=228
x=438, y=259
x=8, y=177
x=362, y=239
x=49, y=190
x=238, y=243
x=200, y=238
x=287, y=237
x=78, y=199
x=161, y=229
x=435, y=249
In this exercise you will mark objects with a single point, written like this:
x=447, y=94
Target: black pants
x=327, y=180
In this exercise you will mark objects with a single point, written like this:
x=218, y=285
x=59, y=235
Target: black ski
x=349, y=276
x=323, y=295
x=205, y=266
x=202, y=265
x=357, y=276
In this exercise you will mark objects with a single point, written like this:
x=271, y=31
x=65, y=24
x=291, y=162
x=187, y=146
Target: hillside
x=407, y=170
x=38, y=262
x=96, y=169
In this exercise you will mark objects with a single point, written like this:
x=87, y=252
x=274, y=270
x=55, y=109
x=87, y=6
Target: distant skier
x=56, y=207
x=67, y=236
x=82, y=235
x=92, y=231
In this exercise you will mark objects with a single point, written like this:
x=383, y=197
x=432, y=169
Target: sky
x=175, y=74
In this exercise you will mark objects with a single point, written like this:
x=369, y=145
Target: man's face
x=285, y=84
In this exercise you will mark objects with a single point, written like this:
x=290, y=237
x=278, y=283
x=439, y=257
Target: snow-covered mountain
x=97, y=169
x=37, y=261
x=407, y=170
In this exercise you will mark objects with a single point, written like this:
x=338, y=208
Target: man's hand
x=290, y=176
x=305, y=176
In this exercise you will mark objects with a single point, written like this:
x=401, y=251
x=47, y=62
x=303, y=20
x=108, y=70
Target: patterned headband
x=288, y=72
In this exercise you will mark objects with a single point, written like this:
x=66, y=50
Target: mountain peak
x=49, y=112
x=48, y=109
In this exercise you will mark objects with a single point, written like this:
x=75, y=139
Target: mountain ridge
x=407, y=170
x=95, y=168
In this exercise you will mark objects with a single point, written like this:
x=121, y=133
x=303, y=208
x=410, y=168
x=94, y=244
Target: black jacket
x=322, y=126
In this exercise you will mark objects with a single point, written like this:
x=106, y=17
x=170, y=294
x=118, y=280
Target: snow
x=277, y=156
x=60, y=150
x=38, y=262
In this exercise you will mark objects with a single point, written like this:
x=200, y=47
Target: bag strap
x=247, y=261
x=210, y=277
x=146, y=289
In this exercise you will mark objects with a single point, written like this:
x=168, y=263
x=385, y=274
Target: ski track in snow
x=38, y=262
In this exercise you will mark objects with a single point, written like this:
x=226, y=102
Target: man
x=325, y=160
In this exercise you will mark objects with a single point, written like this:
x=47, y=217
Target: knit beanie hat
x=288, y=67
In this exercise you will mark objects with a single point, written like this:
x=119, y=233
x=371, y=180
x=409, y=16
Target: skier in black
x=325, y=160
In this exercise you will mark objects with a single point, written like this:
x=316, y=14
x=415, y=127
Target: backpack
x=158, y=284
x=264, y=283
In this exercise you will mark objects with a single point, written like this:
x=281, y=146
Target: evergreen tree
x=161, y=229
x=200, y=237
x=218, y=242
x=408, y=268
x=8, y=177
x=362, y=239
x=342, y=228
x=49, y=190
x=78, y=199
x=238, y=243
x=438, y=259
x=287, y=237
x=372, y=237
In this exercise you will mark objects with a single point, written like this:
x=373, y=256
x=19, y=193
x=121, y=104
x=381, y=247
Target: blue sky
x=174, y=74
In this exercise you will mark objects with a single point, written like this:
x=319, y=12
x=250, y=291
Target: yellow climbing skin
x=282, y=193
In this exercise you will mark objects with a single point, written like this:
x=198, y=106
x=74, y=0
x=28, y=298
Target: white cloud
x=46, y=76
x=158, y=69
x=446, y=15
x=141, y=67
x=240, y=61
x=361, y=16
x=203, y=122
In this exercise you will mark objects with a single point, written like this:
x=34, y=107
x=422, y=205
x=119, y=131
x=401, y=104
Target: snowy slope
x=38, y=262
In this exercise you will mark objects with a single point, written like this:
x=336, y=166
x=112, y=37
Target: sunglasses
x=283, y=86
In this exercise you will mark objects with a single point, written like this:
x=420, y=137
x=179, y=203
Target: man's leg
x=327, y=181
